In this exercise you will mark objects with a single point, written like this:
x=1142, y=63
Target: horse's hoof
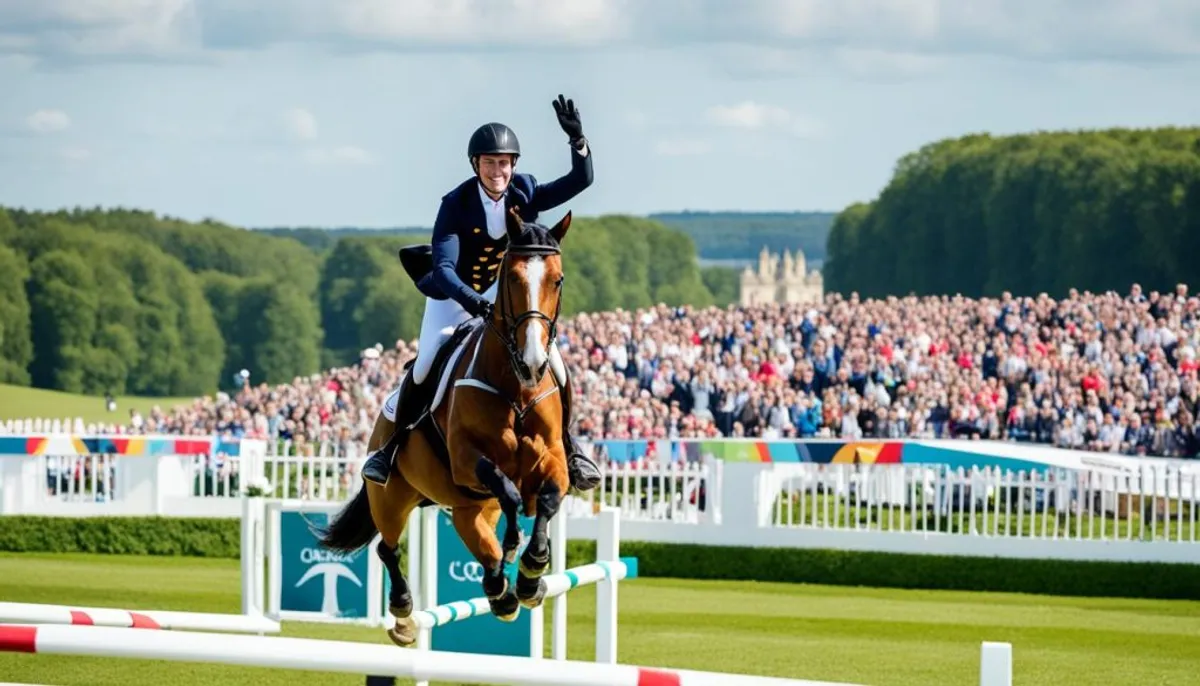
x=531, y=593
x=404, y=634
x=401, y=607
x=498, y=594
x=506, y=607
x=533, y=571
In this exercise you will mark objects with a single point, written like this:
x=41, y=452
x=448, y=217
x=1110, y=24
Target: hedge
x=219, y=538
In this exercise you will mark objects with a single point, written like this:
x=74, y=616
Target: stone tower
x=786, y=282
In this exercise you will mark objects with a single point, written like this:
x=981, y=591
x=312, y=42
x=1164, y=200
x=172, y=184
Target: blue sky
x=357, y=112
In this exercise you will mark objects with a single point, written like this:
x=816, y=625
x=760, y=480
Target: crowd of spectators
x=1093, y=371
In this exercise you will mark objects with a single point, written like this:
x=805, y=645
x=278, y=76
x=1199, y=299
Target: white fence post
x=608, y=544
x=995, y=664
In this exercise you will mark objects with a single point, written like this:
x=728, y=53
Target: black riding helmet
x=493, y=139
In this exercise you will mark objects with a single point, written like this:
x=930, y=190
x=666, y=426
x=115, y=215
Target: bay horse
x=489, y=444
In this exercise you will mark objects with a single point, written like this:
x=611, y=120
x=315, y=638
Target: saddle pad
x=451, y=363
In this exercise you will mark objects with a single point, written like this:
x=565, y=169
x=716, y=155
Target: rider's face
x=495, y=172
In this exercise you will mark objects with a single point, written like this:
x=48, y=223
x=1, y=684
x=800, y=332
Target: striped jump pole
x=31, y=613
x=355, y=658
x=604, y=573
x=556, y=585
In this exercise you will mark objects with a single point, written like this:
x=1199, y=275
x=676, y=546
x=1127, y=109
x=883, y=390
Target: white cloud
x=755, y=116
x=339, y=155
x=1048, y=30
x=682, y=148
x=99, y=28
x=48, y=121
x=301, y=124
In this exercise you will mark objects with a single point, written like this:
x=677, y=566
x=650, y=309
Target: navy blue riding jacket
x=460, y=238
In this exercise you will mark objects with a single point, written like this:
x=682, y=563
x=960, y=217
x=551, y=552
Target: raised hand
x=568, y=117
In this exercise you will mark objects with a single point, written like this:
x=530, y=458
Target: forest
x=124, y=301
x=1043, y=212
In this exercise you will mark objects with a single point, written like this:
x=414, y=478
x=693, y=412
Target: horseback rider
x=463, y=249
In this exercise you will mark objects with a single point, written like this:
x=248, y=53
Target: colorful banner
x=127, y=446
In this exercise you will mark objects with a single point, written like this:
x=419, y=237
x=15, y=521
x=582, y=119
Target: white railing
x=676, y=492
x=1158, y=504
x=80, y=478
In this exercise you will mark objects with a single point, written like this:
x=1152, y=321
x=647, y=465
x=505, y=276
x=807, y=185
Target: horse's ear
x=559, y=230
x=514, y=223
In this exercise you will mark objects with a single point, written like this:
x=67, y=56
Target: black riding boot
x=409, y=405
x=583, y=472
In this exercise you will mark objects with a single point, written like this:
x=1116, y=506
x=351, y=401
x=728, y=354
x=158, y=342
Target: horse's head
x=529, y=295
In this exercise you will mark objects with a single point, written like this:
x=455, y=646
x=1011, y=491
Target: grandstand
x=1094, y=371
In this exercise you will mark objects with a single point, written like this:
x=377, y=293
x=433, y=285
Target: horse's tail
x=352, y=528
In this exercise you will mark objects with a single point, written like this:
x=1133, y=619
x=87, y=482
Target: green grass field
x=879, y=637
x=20, y=402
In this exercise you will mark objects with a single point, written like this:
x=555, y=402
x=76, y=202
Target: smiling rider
x=469, y=239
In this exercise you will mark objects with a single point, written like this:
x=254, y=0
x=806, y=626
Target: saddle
x=445, y=359
x=440, y=368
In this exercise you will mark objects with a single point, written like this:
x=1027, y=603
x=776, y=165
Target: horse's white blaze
x=535, y=353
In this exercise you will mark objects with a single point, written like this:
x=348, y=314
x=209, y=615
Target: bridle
x=512, y=322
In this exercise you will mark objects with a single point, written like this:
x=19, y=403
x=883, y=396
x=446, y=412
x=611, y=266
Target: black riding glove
x=481, y=307
x=568, y=119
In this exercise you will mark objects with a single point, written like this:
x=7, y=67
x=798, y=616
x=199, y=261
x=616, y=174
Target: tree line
x=123, y=301
x=981, y=214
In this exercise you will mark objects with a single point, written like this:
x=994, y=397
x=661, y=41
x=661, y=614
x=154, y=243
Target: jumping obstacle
x=355, y=658
x=105, y=632
x=31, y=613
x=556, y=585
x=355, y=585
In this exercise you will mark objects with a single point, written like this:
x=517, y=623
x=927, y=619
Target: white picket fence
x=677, y=492
x=1156, y=504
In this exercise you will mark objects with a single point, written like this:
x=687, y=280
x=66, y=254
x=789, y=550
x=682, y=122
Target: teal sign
x=314, y=578
x=459, y=578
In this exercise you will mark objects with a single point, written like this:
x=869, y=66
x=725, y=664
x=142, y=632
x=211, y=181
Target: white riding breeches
x=438, y=323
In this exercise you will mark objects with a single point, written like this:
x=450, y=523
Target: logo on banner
x=316, y=579
x=466, y=571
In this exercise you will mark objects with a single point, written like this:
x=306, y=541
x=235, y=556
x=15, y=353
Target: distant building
x=789, y=282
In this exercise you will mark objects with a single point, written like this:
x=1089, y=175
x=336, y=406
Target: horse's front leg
x=499, y=485
x=476, y=526
x=531, y=587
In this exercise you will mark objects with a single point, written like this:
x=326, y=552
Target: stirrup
x=376, y=463
x=582, y=471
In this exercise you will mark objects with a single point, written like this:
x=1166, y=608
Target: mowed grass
x=869, y=636
x=20, y=402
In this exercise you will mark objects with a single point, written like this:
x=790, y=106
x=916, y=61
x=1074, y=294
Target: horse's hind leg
x=476, y=526
x=391, y=506
x=531, y=587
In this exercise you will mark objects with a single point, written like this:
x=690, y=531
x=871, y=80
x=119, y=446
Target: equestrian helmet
x=493, y=139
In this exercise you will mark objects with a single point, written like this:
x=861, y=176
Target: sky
x=357, y=112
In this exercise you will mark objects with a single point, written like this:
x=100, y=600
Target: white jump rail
x=356, y=658
x=556, y=585
x=31, y=613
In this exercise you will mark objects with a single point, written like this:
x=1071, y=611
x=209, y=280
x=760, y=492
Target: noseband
x=513, y=321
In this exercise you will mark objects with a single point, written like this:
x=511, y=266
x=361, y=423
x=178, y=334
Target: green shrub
x=184, y=536
x=210, y=537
